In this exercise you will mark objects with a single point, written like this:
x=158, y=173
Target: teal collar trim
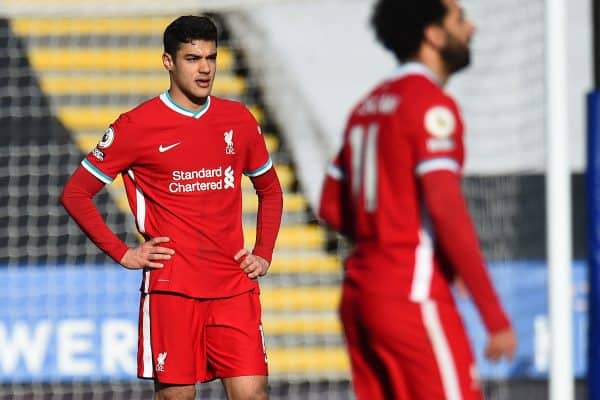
x=169, y=102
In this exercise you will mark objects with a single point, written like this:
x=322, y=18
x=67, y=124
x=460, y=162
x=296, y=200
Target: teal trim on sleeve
x=261, y=170
x=95, y=171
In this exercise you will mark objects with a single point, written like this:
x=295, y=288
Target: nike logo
x=162, y=148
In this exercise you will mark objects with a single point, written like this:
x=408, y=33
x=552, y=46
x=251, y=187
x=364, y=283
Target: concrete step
x=300, y=298
x=124, y=59
x=75, y=26
x=300, y=237
x=315, y=362
x=141, y=84
x=310, y=263
x=301, y=324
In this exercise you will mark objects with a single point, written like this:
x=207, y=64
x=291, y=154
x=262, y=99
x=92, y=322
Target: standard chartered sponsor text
x=200, y=180
x=197, y=174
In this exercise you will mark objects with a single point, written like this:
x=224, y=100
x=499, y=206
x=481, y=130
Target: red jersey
x=182, y=172
x=405, y=128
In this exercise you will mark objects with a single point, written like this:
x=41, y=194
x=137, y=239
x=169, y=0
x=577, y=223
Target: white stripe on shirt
x=423, y=271
x=140, y=205
x=437, y=164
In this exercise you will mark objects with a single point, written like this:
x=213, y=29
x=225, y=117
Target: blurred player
x=394, y=190
x=181, y=156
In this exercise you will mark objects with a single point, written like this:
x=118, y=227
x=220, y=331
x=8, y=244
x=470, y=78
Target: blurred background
x=68, y=314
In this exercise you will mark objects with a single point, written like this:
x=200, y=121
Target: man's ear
x=435, y=36
x=167, y=61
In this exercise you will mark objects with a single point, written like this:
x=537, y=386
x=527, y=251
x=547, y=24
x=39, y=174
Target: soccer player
x=394, y=190
x=182, y=155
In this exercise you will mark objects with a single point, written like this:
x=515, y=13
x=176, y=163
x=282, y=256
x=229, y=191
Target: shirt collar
x=169, y=102
x=414, y=68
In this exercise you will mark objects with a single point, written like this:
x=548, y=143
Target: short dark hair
x=400, y=24
x=187, y=28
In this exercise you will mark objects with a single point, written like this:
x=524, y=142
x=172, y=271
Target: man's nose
x=472, y=28
x=203, y=65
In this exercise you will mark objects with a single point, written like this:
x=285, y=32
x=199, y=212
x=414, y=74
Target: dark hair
x=187, y=28
x=400, y=24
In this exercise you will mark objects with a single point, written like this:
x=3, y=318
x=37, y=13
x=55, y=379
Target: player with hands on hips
x=182, y=155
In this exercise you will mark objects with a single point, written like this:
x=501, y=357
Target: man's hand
x=461, y=288
x=253, y=265
x=503, y=343
x=146, y=254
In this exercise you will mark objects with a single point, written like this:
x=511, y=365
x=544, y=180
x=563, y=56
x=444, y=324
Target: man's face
x=456, y=52
x=193, y=69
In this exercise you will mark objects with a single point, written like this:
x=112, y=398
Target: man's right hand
x=501, y=344
x=147, y=254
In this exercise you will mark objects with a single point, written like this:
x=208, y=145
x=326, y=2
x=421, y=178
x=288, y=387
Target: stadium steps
x=107, y=59
x=85, y=83
x=92, y=73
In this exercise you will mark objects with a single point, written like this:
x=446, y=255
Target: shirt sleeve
x=258, y=160
x=268, y=218
x=77, y=200
x=113, y=153
x=438, y=141
x=457, y=239
x=332, y=208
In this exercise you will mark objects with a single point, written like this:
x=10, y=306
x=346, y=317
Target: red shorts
x=184, y=340
x=405, y=350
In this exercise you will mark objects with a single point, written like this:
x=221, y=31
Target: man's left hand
x=253, y=265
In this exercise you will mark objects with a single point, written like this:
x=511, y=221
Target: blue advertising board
x=80, y=322
x=523, y=289
x=68, y=322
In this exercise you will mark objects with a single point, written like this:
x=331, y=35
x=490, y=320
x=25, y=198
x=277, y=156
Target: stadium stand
x=37, y=155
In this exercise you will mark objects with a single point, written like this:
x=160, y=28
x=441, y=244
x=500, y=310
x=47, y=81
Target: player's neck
x=184, y=101
x=432, y=60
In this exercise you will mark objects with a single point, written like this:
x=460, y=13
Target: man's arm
x=77, y=199
x=268, y=220
x=333, y=207
x=456, y=236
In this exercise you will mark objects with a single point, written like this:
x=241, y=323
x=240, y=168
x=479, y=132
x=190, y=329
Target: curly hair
x=187, y=28
x=400, y=24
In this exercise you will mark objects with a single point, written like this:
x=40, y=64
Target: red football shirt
x=182, y=172
x=405, y=128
